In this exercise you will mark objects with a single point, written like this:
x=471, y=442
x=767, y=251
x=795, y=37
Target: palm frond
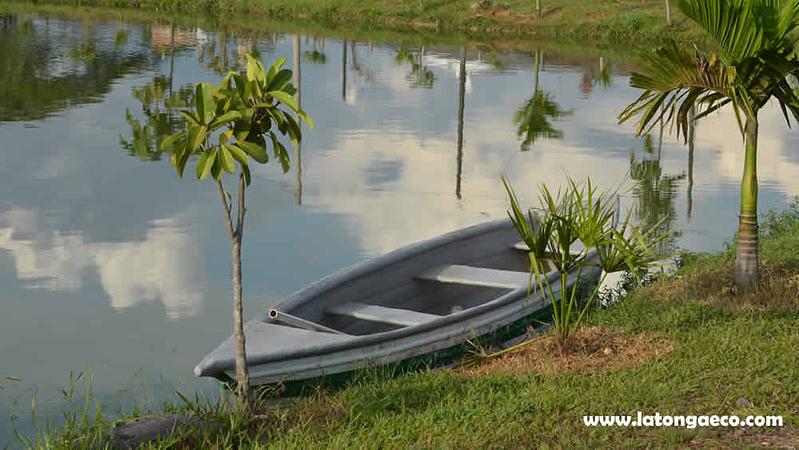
x=743, y=28
x=533, y=119
x=676, y=79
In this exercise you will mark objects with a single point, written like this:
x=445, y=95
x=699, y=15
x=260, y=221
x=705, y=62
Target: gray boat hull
x=495, y=291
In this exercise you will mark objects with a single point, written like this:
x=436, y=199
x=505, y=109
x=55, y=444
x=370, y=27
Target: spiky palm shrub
x=579, y=215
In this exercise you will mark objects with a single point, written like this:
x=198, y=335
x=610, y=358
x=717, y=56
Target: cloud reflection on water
x=165, y=266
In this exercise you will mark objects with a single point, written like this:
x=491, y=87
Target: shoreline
x=608, y=25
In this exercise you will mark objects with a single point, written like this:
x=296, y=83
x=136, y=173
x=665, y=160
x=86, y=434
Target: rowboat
x=419, y=306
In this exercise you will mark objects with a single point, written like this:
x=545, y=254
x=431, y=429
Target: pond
x=113, y=267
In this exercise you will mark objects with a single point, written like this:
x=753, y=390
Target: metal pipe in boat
x=294, y=321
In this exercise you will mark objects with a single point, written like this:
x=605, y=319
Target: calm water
x=111, y=265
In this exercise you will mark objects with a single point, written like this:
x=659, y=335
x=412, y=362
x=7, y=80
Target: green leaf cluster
x=237, y=121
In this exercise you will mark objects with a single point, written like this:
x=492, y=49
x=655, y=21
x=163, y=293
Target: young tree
x=755, y=62
x=231, y=124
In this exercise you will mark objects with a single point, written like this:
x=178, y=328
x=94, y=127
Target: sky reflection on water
x=112, y=265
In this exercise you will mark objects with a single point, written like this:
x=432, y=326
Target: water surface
x=113, y=266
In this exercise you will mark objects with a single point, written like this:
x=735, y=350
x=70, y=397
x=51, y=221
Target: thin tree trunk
x=344, y=70
x=747, y=264
x=224, y=51
x=660, y=139
x=171, y=56
x=242, y=374
x=297, y=81
x=236, y=234
x=691, y=137
x=668, y=12
x=461, y=104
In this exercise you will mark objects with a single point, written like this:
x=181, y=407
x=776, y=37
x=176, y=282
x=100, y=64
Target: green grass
x=727, y=345
x=606, y=21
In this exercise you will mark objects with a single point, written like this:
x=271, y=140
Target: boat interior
x=423, y=287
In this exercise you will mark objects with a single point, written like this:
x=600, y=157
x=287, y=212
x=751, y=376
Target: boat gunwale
x=364, y=268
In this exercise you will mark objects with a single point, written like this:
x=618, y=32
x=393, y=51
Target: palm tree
x=753, y=64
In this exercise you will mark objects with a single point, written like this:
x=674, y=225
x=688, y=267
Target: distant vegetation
x=604, y=20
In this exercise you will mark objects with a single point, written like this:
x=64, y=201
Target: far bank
x=604, y=22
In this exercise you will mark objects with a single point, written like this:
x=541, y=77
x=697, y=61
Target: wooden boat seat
x=477, y=276
x=377, y=313
x=576, y=248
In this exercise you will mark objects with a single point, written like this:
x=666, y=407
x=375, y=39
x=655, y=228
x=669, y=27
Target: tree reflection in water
x=47, y=68
x=654, y=194
x=533, y=118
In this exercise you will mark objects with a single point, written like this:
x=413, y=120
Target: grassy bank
x=686, y=344
x=606, y=21
x=259, y=26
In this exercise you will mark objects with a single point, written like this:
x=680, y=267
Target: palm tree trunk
x=691, y=143
x=668, y=12
x=747, y=265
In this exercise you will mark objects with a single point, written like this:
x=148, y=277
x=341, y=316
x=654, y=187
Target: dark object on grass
x=151, y=428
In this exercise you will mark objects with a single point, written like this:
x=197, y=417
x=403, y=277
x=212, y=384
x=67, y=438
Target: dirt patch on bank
x=783, y=438
x=776, y=291
x=591, y=349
